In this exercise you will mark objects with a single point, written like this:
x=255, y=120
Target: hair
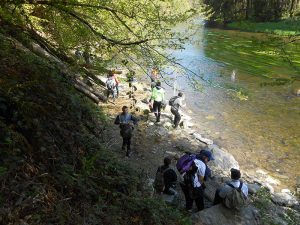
x=158, y=83
x=124, y=107
x=180, y=94
x=235, y=174
x=167, y=161
x=111, y=73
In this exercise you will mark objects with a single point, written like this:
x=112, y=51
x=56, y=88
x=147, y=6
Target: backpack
x=110, y=83
x=185, y=162
x=126, y=130
x=159, y=183
x=172, y=100
x=235, y=199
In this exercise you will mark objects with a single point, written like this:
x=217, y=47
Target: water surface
x=260, y=125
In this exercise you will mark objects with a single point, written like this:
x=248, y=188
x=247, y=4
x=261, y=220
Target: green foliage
x=55, y=167
x=283, y=28
x=263, y=202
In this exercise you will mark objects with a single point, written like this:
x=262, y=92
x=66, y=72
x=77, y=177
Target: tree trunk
x=87, y=93
x=91, y=90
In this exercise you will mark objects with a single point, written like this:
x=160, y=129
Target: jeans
x=112, y=92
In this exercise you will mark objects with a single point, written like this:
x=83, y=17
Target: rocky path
x=152, y=142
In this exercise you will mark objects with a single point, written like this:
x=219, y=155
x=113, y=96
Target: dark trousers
x=217, y=199
x=111, y=92
x=199, y=197
x=177, y=116
x=156, y=110
x=126, y=142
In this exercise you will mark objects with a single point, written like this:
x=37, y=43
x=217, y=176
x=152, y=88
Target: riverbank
x=152, y=142
x=282, y=28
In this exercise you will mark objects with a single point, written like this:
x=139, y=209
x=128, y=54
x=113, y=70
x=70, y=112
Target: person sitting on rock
x=165, y=179
x=177, y=102
x=224, y=192
x=158, y=95
x=126, y=122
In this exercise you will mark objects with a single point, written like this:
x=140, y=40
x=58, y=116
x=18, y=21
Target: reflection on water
x=263, y=131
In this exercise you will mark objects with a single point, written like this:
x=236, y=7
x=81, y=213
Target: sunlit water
x=262, y=131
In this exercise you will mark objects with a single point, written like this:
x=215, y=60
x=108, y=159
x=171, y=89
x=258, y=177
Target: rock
x=223, y=160
x=285, y=191
x=202, y=139
x=210, y=190
x=167, y=125
x=161, y=131
x=219, y=215
x=285, y=199
x=253, y=188
x=269, y=187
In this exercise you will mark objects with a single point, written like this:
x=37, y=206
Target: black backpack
x=172, y=100
x=159, y=183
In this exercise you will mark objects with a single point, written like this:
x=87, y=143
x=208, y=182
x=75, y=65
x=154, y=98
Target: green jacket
x=158, y=94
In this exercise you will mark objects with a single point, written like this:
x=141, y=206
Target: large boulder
x=285, y=199
x=223, y=160
x=219, y=215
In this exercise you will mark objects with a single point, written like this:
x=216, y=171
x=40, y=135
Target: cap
x=208, y=154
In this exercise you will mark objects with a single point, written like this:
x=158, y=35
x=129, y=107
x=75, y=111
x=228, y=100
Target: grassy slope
x=283, y=27
x=53, y=166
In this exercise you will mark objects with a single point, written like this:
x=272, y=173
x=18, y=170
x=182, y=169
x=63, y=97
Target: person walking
x=126, y=123
x=111, y=86
x=153, y=77
x=114, y=73
x=158, y=96
x=177, y=102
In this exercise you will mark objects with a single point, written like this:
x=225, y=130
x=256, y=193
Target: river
x=258, y=124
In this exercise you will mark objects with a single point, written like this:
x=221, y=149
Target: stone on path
x=219, y=215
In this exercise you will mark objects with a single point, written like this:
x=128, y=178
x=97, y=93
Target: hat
x=208, y=154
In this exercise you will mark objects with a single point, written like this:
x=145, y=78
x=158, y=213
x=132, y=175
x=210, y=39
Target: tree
x=133, y=31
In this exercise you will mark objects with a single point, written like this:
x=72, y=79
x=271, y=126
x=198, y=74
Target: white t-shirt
x=200, y=172
x=236, y=184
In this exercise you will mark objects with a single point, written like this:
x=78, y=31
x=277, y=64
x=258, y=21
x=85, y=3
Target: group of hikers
x=193, y=168
x=194, y=172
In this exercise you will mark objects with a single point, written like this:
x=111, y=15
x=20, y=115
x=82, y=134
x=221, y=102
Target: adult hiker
x=193, y=184
x=126, y=122
x=158, y=96
x=111, y=86
x=114, y=74
x=165, y=179
x=153, y=77
x=234, y=193
x=176, y=103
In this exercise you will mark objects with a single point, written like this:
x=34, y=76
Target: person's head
x=235, y=174
x=180, y=94
x=158, y=83
x=125, y=109
x=111, y=73
x=206, y=156
x=167, y=161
